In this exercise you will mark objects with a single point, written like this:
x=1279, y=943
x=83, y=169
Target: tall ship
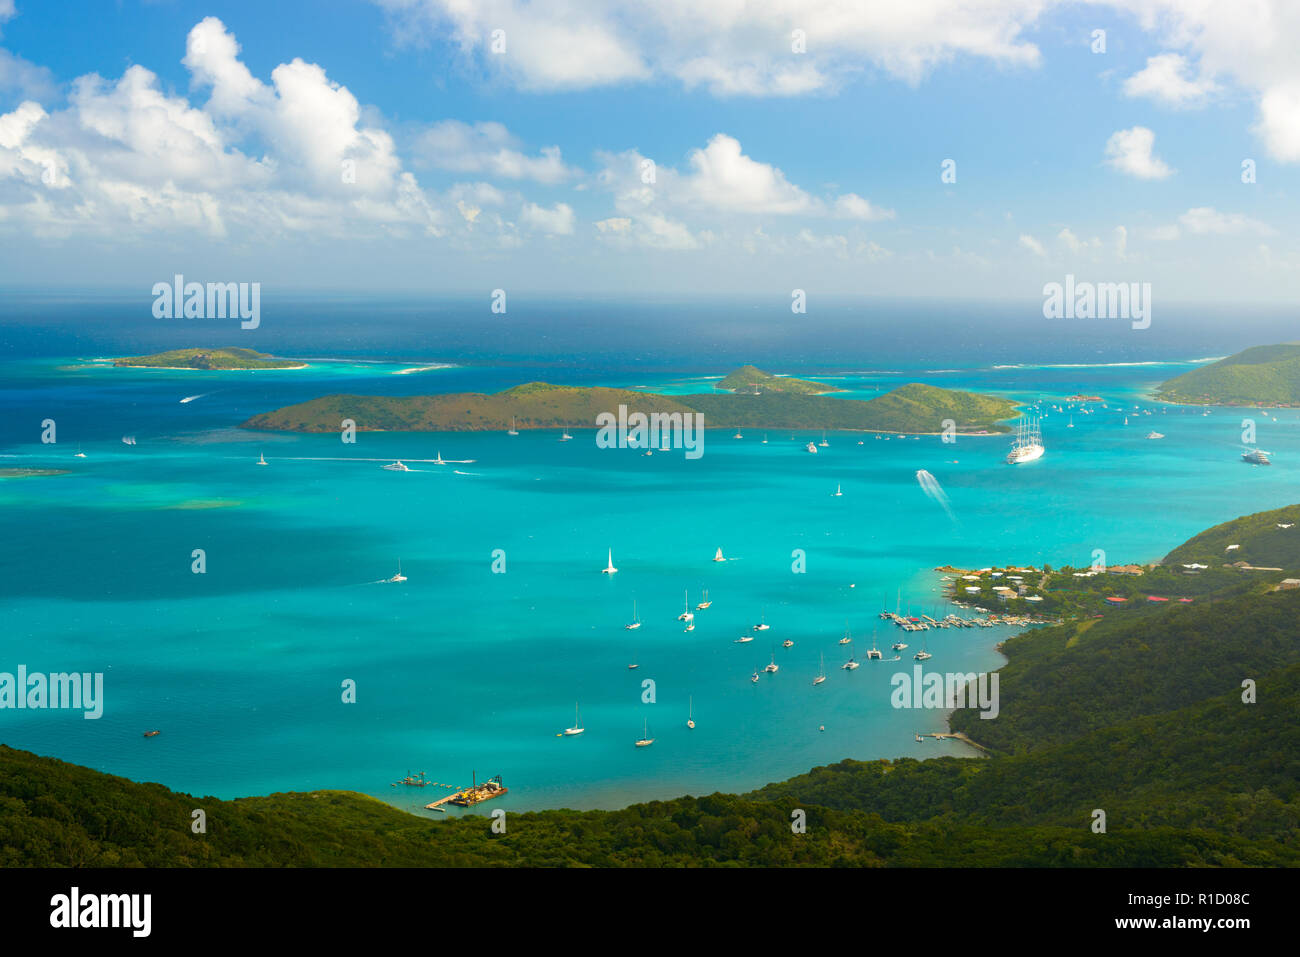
x=1029, y=442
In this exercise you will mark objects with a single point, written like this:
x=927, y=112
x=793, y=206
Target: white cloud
x=557, y=221
x=853, y=206
x=1074, y=243
x=1032, y=244
x=725, y=178
x=488, y=149
x=1130, y=151
x=1121, y=242
x=1206, y=220
x=1166, y=79
x=730, y=47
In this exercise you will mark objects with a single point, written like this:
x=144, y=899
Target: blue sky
x=139, y=139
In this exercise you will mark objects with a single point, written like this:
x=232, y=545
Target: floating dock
x=474, y=794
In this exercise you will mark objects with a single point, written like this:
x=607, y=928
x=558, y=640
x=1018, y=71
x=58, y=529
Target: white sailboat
x=80, y=454
x=687, y=614
x=762, y=623
x=810, y=447
x=690, y=719
x=399, y=577
x=837, y=493
x=923, y=654
x=704, y=604
x=565, y=436
x=717, y=556
x=821, y=671
x=823, y=443
x=848, y=635
x=875, y=652
x=261, y=459
x=635, y=623
x=609, y=569
x=772, y=667
x=646, y=740
x=512, y=427
x=577, y=723
x=1029, y=443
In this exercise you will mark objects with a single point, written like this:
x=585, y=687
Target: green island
x=209, y=360
x=756, y=381
x=911, y=409
x=1260, y=376
x=1140, y=713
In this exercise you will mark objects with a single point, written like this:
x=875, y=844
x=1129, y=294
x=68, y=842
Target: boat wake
x=933, y=490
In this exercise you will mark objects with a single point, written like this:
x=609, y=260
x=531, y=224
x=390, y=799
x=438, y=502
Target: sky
x=933, y=148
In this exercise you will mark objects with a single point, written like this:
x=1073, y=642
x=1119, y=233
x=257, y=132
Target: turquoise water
x=461, y=670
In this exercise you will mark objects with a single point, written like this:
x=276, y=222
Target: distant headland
x=209, y=360
x=1262, y=375
x=910, y=409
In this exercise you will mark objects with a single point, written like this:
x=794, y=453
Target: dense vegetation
x=540, y=405
x=1263, y=375
x=1260, y=541
x=1139, y=713
x=208, y=359
x=750, y=379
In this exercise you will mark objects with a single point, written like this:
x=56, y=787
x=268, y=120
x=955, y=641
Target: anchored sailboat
x=609, y=569
x=635, y=623
x=821, y=672
x=646, y=740
x=717, y=556
x=704, y=604
x=512, y=427
x=687, y=614
x=577, y=723
x=690, y=719
x=399, y=577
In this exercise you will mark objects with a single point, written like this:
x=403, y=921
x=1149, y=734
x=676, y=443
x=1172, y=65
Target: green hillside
x=540, y=405
x=1262, y=375
x=1258, y=538
x=750, y=379
x=209, y=359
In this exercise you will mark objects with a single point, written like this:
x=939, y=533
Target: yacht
x=772, y=667
x=922, y=655
x=706, y=603
x=635, y=623
x=577, y=723
x=821, y=672
x=850, y=664
x=754, y=677
x=898, y=646
x=762, y=624
x=788, y=643
x=397, y=466
x=399, y=577
x=1255, y=457
x=646, y=740
x=1155, y=435
x=609, y=569
x=1029, y=443
x=687, y=614
x=742, y=639
x=811, y=448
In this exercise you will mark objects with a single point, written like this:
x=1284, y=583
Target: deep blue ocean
x=459, y=670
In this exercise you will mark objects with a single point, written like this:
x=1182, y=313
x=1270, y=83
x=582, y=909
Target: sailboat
x=754, y=677
x=837, y=493
x=261, y=459
x=762, y=623
x=440, y=460
x=687, y=614
x=923, y=654
x=850, y=664
x=717, y=556
x=704, y=604
x=512, y=427
x=848, y=636
x=646, y=740
x=1028, y=445
x=821, y=672
x=565, y=437
x=765, y=438
x=635, y=623
x=772, y=667
x=577, y=723
x=823, y=443
x=788, y=643
x=690, y=719
x=399, y=577
x=633, y=666
x=1071, y=425
x=81, y=455
x=609, y=569
x=875, y=652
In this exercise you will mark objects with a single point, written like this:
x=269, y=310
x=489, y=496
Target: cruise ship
x=1255, y=457
x=1029, y=442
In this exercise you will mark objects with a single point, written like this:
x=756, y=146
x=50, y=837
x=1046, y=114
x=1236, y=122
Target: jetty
x=474, y=794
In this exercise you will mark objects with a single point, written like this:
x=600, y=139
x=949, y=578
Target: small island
x=910, y=409
x=209, y=360
x=1260, y=376
x=755, y=381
